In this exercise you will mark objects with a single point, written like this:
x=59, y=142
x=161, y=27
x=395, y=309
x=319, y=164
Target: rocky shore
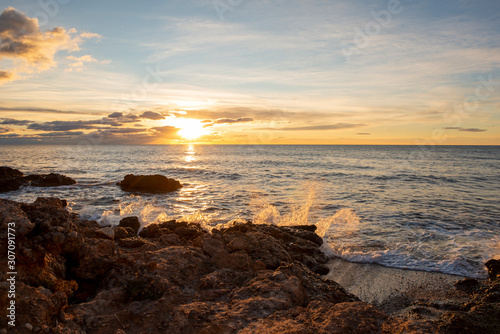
x=75, y=276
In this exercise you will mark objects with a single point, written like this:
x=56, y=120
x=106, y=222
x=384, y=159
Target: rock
x=493, y=268
x=131, y=242
x=211, y=246
x=9, y=172
x=11, y=212
x=152, y=231
x=28, y=326
x=11, y=179
x=466, y=284
x=50, y=180
x=123, y=232
x=132, y=222
x=149, y=183
x=73, y=278
x=237, y=261
x=106, y=233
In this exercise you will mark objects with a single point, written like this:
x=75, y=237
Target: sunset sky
x=250, y=72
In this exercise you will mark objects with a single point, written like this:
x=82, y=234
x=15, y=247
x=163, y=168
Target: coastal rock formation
x=12, y=179
x=74, y=276
x=493, y=268
x=149, y=184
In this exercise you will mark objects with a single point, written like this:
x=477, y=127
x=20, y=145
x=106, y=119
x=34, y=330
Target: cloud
x=473, y=130
x=4, y=130
x=78, y=64
x=43, y=110
x=11, y=121
x=89, y=35
x=115, y=115
x=337, y=126
x=152, y=115
x=464, y=129
x=363, y=133
x=63, y=125
x=5, y=76
x=21, y=39
x=62, y=134
x=233, y=120
x=167, y=130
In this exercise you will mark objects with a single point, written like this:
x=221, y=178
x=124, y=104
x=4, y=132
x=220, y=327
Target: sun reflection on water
x=190, y=153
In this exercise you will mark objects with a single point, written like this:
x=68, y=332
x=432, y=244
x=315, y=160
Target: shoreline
x=392, y=289
x=78, y=276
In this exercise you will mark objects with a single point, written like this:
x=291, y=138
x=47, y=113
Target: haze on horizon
x=250, y=72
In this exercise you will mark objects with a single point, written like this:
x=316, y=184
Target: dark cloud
x=152, y=115
x=65, y=125
x=464, y=129
x=45, y=110
x=262, y=114
x=61, y=134
x=4, y=130
x=4, y=75
x=363, y=133
x=115, y=115
x=473, y=130
x=233, y=120
x=120, y=117
x=121, y=130
x=11, y=121
x=337, y=126
x=165, y=131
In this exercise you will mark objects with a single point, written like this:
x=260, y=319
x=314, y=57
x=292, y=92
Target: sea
x=430, y=208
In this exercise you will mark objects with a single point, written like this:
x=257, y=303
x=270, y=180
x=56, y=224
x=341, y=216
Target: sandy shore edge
x=392, y=289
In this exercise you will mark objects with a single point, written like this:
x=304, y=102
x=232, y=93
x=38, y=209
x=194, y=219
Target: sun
x=190, y=128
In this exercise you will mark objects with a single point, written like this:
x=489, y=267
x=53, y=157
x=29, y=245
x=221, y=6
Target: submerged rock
x=149, y=183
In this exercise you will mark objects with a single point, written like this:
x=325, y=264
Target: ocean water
x=432, y=209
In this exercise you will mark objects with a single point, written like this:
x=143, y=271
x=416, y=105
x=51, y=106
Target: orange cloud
x=28, y=48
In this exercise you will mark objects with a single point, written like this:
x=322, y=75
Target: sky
x=250, y=72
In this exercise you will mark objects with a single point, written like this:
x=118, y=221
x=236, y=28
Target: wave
x=413, y=177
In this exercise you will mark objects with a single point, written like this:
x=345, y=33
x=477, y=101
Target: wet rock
x=149, y=183
x=12, y=179
x=132, y=222
x=493, y=268
x=49, y=180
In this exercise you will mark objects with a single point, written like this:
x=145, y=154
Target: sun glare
x=190, y=128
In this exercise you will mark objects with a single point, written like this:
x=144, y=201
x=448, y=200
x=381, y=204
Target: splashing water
x=146, y=212
x=298, y=215
x=344, y=221
x=200, y=219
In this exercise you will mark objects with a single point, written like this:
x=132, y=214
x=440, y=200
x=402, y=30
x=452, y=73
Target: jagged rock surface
x=75, y=276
